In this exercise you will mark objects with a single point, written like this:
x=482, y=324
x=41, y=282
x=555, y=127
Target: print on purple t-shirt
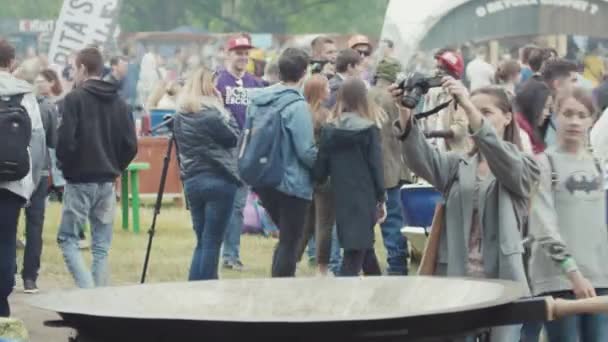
x=236, y=94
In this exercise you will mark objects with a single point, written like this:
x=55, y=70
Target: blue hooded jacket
x=298, y=147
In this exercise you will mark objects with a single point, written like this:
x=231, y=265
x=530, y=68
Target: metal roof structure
x=430, y=24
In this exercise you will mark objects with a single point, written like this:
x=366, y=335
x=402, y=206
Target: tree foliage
x=264, y=16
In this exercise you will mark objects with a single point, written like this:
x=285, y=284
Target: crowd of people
x=326, y=141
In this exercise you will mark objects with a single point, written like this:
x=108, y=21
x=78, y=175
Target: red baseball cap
x=239, y=42
x=453, y=62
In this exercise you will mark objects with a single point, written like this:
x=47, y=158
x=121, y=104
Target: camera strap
x=434, y=110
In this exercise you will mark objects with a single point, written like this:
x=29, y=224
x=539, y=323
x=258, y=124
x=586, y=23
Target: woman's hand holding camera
x=405, y=114
x=458, y=91
x=461, y=95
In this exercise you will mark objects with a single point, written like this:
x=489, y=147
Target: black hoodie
x=97, y=139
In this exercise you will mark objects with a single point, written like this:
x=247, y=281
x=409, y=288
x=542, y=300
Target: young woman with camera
x=206, y=136
x=486, y=191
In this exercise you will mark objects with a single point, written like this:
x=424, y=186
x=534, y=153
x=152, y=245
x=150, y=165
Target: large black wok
x=302, y=309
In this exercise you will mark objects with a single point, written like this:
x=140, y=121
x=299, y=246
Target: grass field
x=171, y=251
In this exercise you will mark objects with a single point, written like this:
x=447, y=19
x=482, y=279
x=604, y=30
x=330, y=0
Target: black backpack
x=16, y=132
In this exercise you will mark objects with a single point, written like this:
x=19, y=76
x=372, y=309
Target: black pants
x=288, y=213
x=34, y=222
x=356, y=260
x=10, y=205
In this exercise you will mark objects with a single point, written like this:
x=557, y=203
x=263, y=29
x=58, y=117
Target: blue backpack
x=260, y=161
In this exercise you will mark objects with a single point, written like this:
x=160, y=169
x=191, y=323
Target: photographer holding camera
x=449, y=127
x=486, y=191
x=324, y=53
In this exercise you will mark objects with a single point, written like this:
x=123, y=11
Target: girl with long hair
x=486, y=192
x=534, y=102
x=48, y=84
x=350, y=153
x=206, y=136
x=568, y=222
x=321, y=215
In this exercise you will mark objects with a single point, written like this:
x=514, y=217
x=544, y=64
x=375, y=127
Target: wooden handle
x=558, y=308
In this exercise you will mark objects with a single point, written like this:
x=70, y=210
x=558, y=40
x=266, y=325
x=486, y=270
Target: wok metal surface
x=374, y=308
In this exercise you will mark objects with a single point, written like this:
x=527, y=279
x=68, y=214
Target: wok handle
x=558, y=308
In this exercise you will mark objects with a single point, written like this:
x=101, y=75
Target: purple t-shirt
x=236, y=94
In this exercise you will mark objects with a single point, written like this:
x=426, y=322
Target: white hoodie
x=9, y=86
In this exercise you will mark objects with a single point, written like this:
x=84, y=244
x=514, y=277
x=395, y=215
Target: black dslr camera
x=317, y=66
x=416, y=85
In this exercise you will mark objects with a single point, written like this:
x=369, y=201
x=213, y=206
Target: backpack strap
x=289, y=103
x=554, y=174
x=13, y=101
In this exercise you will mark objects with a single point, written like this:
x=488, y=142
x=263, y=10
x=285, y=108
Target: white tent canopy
x=407, y=22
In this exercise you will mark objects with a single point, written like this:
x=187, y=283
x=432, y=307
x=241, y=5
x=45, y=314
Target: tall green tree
x=267, y=16
x=30, y=9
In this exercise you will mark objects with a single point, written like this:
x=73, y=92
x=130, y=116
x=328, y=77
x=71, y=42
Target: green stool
x=132, y=170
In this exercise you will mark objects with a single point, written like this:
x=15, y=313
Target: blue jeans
x=97, y=203
x=311, y=249
x=335, y=258
x=232, y=240
x=530, y=332
x=394, y=242
x=211, y=200
x=10, y=206
x=583, y=328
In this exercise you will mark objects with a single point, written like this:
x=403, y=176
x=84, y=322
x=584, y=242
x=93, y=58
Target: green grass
x=171, y=251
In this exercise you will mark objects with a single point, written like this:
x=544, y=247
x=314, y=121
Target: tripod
x=168, y=122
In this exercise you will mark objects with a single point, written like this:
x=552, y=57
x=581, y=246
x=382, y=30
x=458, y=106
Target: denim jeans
x=583, y=328
x=211, y=199
x=56, y=174
x=530, y=332
x=394, y=242
x=34, y=222
x=335, y=258
x=97, y=203
x=10, y=206
x=311, y=249
x=232, y=239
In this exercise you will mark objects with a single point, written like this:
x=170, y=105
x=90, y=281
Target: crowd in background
x=325, y=140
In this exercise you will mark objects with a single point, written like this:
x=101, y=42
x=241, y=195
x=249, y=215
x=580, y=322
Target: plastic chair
x=157, y=116
x=418, y=202
x=132, y=171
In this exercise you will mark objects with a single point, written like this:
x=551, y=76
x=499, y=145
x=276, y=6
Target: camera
x=316, y=67
x=416, y=85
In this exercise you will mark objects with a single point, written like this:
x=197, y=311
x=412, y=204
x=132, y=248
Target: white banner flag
x=82, y=23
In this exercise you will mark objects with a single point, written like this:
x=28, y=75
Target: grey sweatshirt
x=568, y=224
x=9, y=86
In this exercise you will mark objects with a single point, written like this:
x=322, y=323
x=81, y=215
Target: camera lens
x=411, y=100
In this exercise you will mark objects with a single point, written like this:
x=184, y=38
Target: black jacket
x=207, y=142
x=97, y=139
x=350, y=152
